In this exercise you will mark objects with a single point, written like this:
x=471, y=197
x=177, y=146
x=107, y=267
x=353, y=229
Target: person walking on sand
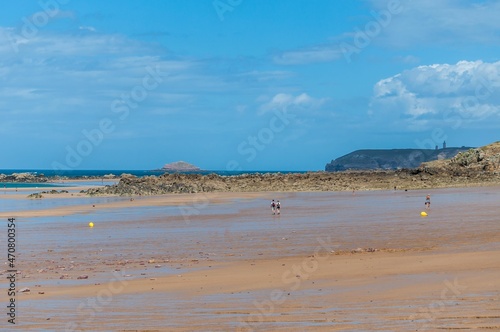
x=428, y=201
x=278, y=207
x=273, y=207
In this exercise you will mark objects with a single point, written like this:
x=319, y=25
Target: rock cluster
x=23, y=177
x=474, y=167
x=423, y=177
x=471, y=163
x=470, y=157
x=53, y=192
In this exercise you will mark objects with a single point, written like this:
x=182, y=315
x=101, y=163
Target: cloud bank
x=461, y=94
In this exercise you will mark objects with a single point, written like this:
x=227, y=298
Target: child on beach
x=273, y=207
x=428, y=202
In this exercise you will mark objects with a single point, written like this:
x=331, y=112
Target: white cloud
x=467, y=91
x=263, y=76
x=58, y=13
x=286, y=102
x=87, y=28
x=75, y=78
x=240, y=109
x=408, y=59
x=426, y=22
x=413, y=24
x=308, y=55
x=15, y=44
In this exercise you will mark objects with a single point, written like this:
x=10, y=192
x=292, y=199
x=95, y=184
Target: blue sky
x=242, y=84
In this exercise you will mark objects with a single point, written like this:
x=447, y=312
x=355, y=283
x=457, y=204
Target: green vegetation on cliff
x=389, y=159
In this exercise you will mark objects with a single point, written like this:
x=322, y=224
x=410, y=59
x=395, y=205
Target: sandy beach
x=332, y=261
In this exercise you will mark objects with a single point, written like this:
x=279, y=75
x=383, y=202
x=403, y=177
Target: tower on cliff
x=444, y=144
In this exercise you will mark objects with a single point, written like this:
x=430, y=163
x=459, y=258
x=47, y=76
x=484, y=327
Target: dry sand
x=221, y=262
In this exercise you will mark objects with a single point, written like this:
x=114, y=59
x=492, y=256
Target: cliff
x=389, y=159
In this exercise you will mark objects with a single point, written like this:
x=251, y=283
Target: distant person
x=278, y=207
x=428, y=202
x=273, y=207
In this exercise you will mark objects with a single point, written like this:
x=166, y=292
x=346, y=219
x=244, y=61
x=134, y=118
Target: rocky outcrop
x=54, y=192
x=389, y=159
x=23, y=177
x=418, y=178
x=473, y=167
x=470, y=163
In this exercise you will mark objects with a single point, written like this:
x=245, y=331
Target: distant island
x=180, y=166
x=390, y=159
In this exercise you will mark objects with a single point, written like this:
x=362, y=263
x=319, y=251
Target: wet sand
x=222, y=262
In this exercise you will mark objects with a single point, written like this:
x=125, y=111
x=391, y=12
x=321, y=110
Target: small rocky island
x=180, y=166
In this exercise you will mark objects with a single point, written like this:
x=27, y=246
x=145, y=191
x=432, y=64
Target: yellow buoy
x=91, y=224
x=423, y=214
